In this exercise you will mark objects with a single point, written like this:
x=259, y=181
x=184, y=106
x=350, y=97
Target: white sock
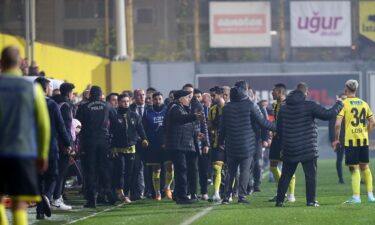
x=370, y=194
x=216, y=192
x=356, y=197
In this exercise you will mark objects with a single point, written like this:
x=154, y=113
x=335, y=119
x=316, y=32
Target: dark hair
x=219, y=90
x=9, y=57
x=281, y=86
x=302, y=87
x=65, y=88
x=151, y=89
x=43, y=82
x=242, y=84
x=95, y=93
x=187, y=86
x=197, y=91
x=172, y=92
x=108, y=98
x=157, y=94
x=123, y=96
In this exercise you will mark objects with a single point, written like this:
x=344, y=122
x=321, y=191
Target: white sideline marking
x=197, y=216
x=208, y=209
x=94, y=214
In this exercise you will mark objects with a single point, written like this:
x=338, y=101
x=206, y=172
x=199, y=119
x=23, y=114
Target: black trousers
x=244, y=165
x=47, y=182
x=123, y=171
x=340, y=152
x=203, y=165
x=63, y=168
x=95, y=163
x=255, y=169
x=309, y=168
x=185, y=168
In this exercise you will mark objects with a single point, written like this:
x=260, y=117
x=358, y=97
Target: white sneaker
x=58, y=204
x=216, y=198
x=291, y=198
x=127, y=200
x=204, y=197
x=230, y=199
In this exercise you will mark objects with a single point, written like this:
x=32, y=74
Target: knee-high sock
x=20, y=217
x=276, y=173
x=156, y=181
x=292, y=185
x=356, y=182
x=368, y=179
x=3, y=215
x=217, y=177
x=168, y=179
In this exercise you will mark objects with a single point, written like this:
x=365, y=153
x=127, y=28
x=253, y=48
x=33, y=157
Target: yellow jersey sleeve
x=42, y=123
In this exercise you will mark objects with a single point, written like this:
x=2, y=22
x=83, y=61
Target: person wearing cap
x=64, y=101
x=94, y=117
x=180, y=132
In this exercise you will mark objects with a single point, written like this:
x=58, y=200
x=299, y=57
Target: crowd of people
x=136, y=144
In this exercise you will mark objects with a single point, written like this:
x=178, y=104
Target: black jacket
x=133, y=108
x=236, y=127
x=126, y=127
x=67, y=112
x=58, y=130
x=179, y=128
x=261, y=133
x=94, y=117
x=296, y=126
x=332, y=130
x=200, y=126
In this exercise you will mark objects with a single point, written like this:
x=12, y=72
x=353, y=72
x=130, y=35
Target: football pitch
x=330, y=194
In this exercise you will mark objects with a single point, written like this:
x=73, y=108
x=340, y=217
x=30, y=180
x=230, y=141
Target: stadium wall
x=76, y=67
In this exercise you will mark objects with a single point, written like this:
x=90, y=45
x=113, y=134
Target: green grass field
x=331, y=195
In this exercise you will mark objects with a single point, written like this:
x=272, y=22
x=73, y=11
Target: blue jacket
x=153, y=125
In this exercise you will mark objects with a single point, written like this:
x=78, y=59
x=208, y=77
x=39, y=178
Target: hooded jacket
x=296, y=126
x=237, y=122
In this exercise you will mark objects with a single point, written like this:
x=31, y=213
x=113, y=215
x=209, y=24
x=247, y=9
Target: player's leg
x=366, y=172
x=156, y=180
x=169, y=175
x=3, y=215
x=352, y=160
x=217, y=167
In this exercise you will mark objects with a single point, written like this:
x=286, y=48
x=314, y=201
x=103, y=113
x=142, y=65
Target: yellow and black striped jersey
x=356, y=113
x=214, y=115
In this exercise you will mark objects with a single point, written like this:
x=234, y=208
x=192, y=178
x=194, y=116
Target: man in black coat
x=48, y=180
x=298, y=132
x=237, y=133
x=180, y=132
x=95, y=116
x=201, y=143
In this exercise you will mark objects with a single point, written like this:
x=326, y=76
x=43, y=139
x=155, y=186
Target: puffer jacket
x=179, y=128
x=237, y=122
x=297, y=128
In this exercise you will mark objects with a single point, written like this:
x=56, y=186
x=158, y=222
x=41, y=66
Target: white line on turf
x=94, y=214
x=208, y=209
x=197, y=216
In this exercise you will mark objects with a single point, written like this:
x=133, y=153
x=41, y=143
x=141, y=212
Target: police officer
x=94, y=116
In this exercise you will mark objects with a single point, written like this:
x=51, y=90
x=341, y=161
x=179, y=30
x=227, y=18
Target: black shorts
x=217, y=155
x=19, y=179
x=156, y=156
x=356, y=155
x=275, y=149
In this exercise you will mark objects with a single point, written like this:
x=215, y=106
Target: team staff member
x=355, y=115
x=156, y=154
x=217, y=154
x=64, y=100
x=126, y=128
x=340, y=150
x=236, y=132
x=201, y=143
x=298, y=116
x=48, y=180
x=94, y=116
x=180, y=132
x=279, y=94
x=24, y=137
